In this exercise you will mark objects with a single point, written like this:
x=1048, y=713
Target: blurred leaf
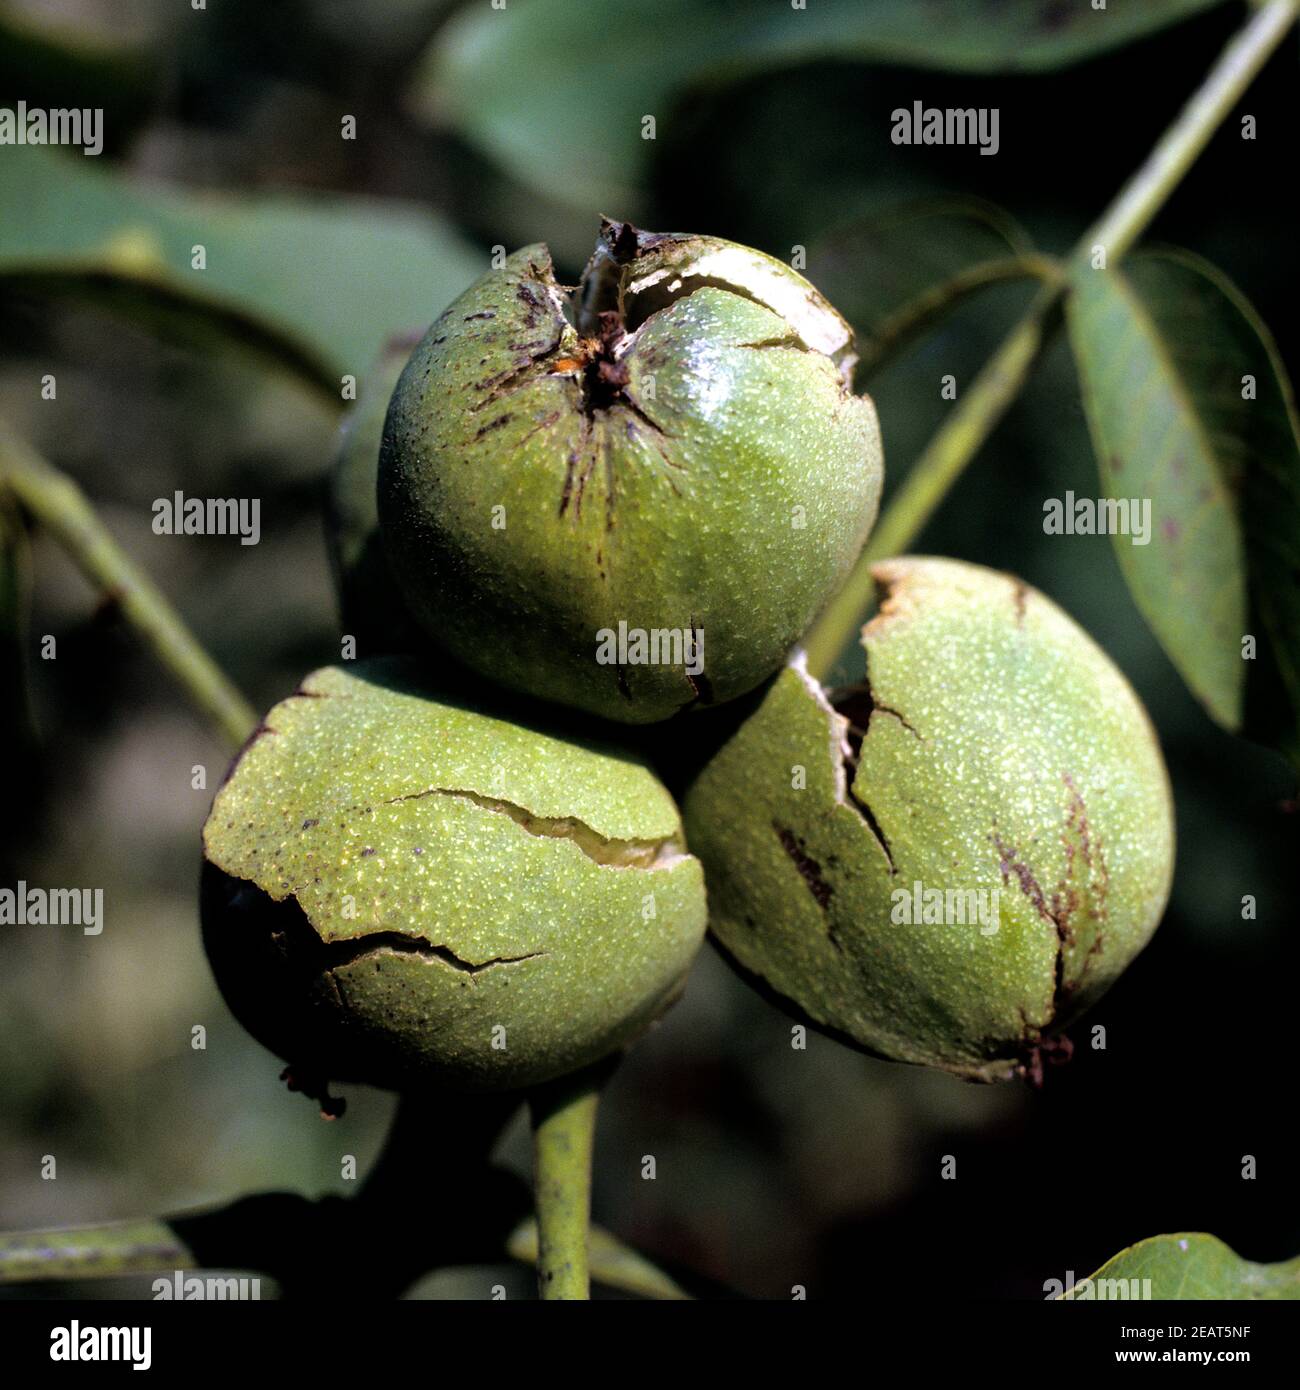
x=177, y=315
x=328, y=280
x=979, y=36
x=1186, y=1267
x=896, y=272
x=59, y=65
x=611, y=1263
x=466, y=1283
x=1163, y=346
x=555, y=90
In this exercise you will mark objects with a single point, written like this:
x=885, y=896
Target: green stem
x=57, y=503
x=124, y=1247
x=972, y=421
x=564, y=1129
x=893, y=332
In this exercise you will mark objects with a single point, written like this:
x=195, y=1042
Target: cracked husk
x=951, y=862
x=402, y=891
x=673, y=446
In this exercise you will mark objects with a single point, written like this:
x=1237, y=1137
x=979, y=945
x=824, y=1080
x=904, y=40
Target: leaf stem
x=971, y=422
x=57, y=503
x=564, y=1129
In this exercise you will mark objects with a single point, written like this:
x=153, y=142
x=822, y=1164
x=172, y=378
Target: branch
x=57, y=503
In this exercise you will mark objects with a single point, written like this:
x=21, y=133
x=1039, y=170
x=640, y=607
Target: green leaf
x=556, y=90
x=1187, y=1266
x=1163, y=347
x=977, y=36
x=179, y=316
x=896, y=272
x=611, y=1263
x=322, y=283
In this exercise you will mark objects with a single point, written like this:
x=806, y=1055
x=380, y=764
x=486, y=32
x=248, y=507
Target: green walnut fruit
x=370, y=603
x=635, y=496
x=402, y=891
x=950, y=862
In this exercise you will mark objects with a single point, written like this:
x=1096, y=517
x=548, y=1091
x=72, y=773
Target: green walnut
x=402, y=891
x=370, y=604
x=632, y=497
x=951, y=861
